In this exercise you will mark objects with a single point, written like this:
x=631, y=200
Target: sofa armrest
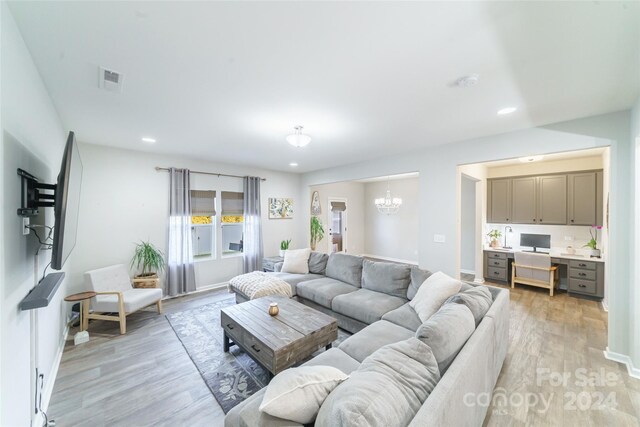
x=277, y=267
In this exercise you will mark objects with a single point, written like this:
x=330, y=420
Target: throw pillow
x=318, y=262
x=296, y=394
x=387, y=389
x=433, y=293
x=478, y=299
x=446, y=332
x=418, y=276
x=296, y=261
x=386, y=277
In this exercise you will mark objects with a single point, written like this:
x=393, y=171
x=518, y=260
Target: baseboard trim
x=624, y=359
x=468, y=271
x=386, y=258
x=605, y=306
x=205, y=288
x=38, y=420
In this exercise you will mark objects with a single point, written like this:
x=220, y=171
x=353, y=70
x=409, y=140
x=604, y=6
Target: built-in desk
x=579, y=276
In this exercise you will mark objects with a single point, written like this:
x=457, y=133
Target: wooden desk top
x=80, y=296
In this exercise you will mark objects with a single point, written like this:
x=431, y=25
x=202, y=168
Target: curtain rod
x=158, y=168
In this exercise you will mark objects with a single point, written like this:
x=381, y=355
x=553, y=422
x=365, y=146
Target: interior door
x=337, y=222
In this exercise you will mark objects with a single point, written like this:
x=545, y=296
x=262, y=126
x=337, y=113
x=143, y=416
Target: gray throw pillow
x=418, y=277
x=386, y=277
x=318, y=262
x=388, y=388
x=346, y=268
x=446, y=332
x=478, y=299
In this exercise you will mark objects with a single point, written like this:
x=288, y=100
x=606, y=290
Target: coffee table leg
x=225, y=342
x=328, y=346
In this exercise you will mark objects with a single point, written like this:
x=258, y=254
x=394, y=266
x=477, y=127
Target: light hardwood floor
x=146, y=378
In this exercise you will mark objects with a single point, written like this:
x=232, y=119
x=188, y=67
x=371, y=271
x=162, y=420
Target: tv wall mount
x=34, y=194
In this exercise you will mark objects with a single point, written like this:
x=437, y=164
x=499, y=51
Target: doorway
x=337, y=221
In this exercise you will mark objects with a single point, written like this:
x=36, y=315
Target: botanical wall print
x=315, y=204
x=280, y=208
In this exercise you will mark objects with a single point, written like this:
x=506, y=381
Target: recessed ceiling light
x=531, y=159
x=148, y=140
x=507, y=110
x=293, y=164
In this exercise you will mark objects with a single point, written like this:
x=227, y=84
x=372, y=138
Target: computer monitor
x=535, y=241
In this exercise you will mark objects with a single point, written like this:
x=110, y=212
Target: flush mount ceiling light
x=148, y=140
x=388, y=205
x=507, y=110
x=531, y=159
x=468, y=81
x=293, y=164
x=298, y=139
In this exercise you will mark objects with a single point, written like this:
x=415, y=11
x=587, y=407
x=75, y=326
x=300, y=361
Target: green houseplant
x=317, y=231
x=284, y=246
x=494, y=235
x=149, y=260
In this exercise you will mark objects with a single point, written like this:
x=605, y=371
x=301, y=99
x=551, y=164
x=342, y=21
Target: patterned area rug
x=232, y=377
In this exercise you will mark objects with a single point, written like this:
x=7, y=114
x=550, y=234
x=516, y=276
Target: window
x=203, y=223
x=232, y=222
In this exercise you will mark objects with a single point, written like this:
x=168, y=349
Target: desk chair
x=116, y=295
x=534, y=270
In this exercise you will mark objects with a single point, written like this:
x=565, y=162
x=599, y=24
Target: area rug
x=232, y=377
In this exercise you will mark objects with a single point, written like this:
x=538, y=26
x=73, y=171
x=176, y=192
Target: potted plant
x=149, y=260
x=593, y=243
x=494, y=235
x=317, y=231
x=284, y=246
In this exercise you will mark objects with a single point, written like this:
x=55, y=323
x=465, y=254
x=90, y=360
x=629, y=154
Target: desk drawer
x=259, y=351
x=497, y=273
x=501, y=263
x=496, y=255
x=582, y=286
x=582, y=274
x=582, y=264
x=232, y=329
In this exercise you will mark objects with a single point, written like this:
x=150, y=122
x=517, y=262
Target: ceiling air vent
x=110, y=80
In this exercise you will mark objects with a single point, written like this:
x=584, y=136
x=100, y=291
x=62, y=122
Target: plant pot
x=595, y=253
x=494, y=243
x=281, y=253
x=149, y=280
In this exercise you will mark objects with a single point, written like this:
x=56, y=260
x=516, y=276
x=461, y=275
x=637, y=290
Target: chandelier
x=388, y=205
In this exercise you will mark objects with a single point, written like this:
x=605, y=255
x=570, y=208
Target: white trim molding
x=38, y=420
x=633, y=371
x=386, y=258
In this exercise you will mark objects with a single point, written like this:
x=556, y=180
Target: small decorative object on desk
x=571, y=250
x=273, y=309
x=593, y=243
x=494, y=235
x=284, y=246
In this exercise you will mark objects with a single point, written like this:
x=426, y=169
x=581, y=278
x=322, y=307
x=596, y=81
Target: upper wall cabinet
x=499, y=204
x=574, y=199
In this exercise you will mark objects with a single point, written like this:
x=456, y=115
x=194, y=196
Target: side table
x=83, y=297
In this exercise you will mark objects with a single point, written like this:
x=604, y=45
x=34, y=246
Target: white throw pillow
x=433, y=293
x=296, y=261
x=296, y=394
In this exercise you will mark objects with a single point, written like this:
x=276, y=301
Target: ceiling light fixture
x=388, y=205
x=148, y=140
x=298, y=139
x=293, y=164
x=468, y=81
x=531, y=159
x=507, y=110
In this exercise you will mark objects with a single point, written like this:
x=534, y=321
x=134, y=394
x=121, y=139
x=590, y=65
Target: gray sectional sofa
x=371, y=300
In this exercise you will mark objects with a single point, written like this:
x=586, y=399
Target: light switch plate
x=568, y=238
x=439, y=238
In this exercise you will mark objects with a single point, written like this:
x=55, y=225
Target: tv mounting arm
x=33, y=195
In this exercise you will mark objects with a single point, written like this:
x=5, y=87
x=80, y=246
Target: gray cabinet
x=523, y=200
x=499, y=195
x=599, y=199
x=552, y=199
x=583, y=197
x=496, y=266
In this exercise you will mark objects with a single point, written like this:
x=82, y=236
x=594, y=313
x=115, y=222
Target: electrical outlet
x=25, y=224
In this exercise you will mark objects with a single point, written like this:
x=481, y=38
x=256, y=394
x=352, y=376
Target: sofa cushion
x=318, y=262
x=346, y=268
x=296, y=261
x=404, y=316
x=433, y=293
x=418, y=277
x=336, y=358
x=294, y=279
x=386, y=277
x=367, y=341
x=296, y=393
x=247, y=414
x=446, y=332
x=365, y=305
x=387, y=390
x=134, y=299
x=478, y=299
x=323, y=291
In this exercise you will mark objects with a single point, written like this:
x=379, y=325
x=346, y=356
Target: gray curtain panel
x=252, y=256
x=180, y=271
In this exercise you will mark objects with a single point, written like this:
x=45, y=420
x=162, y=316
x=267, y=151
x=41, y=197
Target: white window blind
x=203, y=203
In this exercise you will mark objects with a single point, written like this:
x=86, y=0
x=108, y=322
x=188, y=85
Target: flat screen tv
x=66, y=204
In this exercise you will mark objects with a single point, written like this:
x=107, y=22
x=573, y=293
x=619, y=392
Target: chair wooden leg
x=551, y=283
x=159, y=305
x=85, y=315
x=123, y=318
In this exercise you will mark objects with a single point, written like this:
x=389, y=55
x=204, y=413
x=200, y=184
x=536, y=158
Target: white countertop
x=553, y=254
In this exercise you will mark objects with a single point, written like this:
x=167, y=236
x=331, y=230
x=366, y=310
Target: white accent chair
x=116, y=295
x=535, y=270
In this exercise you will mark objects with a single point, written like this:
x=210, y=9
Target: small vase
x=273, y=309
x=281, y=253
x=494, y=243
x=595, y=253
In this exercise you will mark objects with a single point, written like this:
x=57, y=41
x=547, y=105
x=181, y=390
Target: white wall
x=354, y=193
x=634, y=300
x=32, y=138
x=125, y=200
x=468, y=224
x=392, y=236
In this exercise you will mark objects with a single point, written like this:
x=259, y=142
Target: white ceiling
x=227, y=81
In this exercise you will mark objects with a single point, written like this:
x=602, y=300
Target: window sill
x=204, y=258
x=232, y=255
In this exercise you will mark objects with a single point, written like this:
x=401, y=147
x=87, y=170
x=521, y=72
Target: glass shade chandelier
x=388, y=205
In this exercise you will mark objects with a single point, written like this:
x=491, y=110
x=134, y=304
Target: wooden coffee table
x=281, y=341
